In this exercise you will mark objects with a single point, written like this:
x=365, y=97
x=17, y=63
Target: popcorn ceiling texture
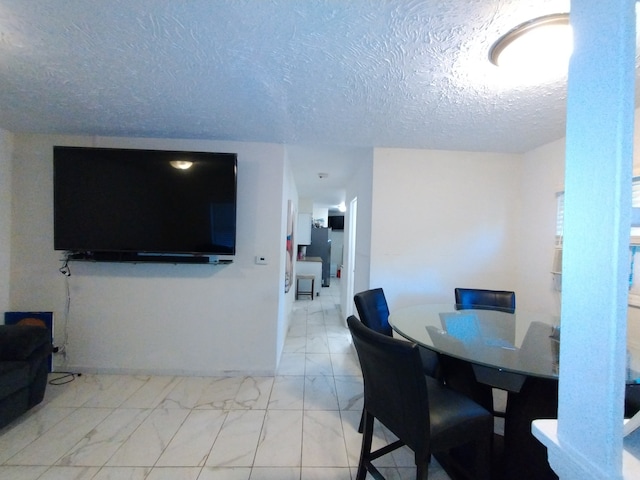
x=409, y=73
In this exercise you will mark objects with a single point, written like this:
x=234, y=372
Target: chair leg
x=365, y=451
x=361, y=425
x=422, y=467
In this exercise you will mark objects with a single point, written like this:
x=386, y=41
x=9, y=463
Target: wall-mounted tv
x=336, y=222
x=129, y=205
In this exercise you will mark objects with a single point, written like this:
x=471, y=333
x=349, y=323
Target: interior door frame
x=351, y=255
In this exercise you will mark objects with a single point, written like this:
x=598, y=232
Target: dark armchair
x=24, y=367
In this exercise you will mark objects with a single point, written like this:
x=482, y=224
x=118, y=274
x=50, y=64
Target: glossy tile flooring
x=300, y=424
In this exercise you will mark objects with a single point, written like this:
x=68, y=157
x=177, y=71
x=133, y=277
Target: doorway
x=351, y=256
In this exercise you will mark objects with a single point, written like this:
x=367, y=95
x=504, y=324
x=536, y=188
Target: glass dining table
x=503, y=347
x=513, y=351
x=519, y=343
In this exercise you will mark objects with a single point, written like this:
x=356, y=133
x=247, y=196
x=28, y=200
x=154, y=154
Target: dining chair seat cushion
x=453, y=415
x=459, y=376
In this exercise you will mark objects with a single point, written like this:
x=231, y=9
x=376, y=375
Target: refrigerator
x=321, y=247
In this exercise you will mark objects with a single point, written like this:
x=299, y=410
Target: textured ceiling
x=339, y=74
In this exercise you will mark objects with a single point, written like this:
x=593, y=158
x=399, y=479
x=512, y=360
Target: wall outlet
x=260, y=260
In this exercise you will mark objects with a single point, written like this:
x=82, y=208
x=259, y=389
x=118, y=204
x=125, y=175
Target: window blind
x=635, y=203
x=559, y=216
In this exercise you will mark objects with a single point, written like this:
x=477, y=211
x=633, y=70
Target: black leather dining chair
x=459, y=374
x=420, y=411
x=502, y=300
x=373, y=311
x=631, y=400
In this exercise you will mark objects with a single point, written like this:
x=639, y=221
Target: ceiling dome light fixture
x=541, y=43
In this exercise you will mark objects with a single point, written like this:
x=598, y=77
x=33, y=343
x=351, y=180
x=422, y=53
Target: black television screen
x=142, y=201
x=336, y=222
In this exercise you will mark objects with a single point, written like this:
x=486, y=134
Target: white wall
x=183, y=319
x=432, y=220
x=289, y=192
x=305, y=204
x=5, y=219
x=542, y=178
x=321, y=216
x=443, y=219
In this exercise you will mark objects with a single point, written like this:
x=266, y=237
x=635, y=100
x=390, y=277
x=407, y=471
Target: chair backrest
x=501, y=300
x=395, y=389
x=373, y=310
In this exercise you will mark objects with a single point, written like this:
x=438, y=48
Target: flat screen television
x=336, y=222
x=124, y=204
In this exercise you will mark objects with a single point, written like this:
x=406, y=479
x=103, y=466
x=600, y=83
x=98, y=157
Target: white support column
x=599, y=161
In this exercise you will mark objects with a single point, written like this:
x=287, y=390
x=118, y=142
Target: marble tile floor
x=300, y=424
